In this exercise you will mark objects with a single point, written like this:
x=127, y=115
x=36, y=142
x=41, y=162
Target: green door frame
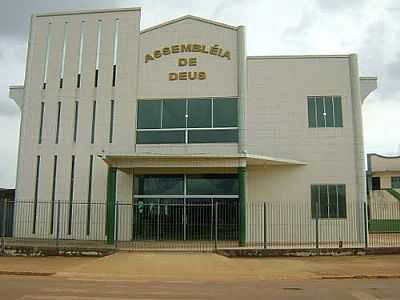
x=111, y=195
x=242, y=205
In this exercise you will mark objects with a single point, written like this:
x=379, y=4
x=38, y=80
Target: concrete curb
x=362, y=276
x=26, y=273
x=53, y=251
x=248, y=252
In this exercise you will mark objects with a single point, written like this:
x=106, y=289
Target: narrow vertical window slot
x=41, y=122
x=110, y=139
x=89, y=196
x=71, y=195
x=46, y=59
x=115, y=51
x=53, y=194
x=63, y=54
x=35, y=199
x=96, y=75
x=81, y=42
x=93, y=122
x=58, y=122
x=76, y=120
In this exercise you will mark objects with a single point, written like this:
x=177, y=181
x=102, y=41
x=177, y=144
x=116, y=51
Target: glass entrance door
x=186, y=207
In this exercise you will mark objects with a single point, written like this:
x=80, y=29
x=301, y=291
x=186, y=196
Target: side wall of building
x=278, y=127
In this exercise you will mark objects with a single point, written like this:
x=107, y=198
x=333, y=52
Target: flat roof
x=251, y=159
x=89, y=11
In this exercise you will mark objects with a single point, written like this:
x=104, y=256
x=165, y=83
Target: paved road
x=60, y=288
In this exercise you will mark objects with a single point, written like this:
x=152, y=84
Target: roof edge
x=299, y=56
x=384, y=156
x=185, y=18
x=89, y=11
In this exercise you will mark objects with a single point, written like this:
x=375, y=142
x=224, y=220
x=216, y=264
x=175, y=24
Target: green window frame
x=187, y=121
x=395, y=182
x=324, y=111
x=328, y=201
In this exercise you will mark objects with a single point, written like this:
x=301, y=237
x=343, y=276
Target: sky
x=370, y=28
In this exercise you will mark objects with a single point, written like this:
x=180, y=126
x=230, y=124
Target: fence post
x=317, y=225
x=265, y=225
x=116, y=224
x=58, y=222
x=3, y=228
x=216, y=226
x=365, y=206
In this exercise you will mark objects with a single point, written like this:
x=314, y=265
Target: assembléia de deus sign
x=215, y=50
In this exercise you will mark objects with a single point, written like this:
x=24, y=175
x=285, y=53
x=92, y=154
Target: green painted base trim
x=376, y=226
x=242, y=206
x=110, y=215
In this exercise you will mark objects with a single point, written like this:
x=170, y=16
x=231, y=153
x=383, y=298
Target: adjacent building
x=165, y=118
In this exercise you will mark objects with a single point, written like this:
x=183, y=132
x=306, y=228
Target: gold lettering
x=214, y=50
x=157, y=54
x=182, y=75
x=203, y=49
x=147, y=58
x=192, y=61
x=227, y=54
x=192, y=75
x=196, y=48
x=175, y=48
x=166, y=51
x=172, y=76
x=182, y=62
x=202, y=75
x=186, y=48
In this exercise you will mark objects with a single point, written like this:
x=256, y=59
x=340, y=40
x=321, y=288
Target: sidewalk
x=205, y=267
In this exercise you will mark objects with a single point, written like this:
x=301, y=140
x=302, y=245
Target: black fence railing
x=191, y=225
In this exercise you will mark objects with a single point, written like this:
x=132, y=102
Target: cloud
x=15, y=15
x=340, y=5
x=307, y=21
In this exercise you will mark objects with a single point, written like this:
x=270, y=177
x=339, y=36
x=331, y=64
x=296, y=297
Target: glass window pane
x=213, y=136
x=199, y=111
x=323, y=200
x=329, y=111
x=225, y=112
x=341, y=189
x=320, y=112
x=395, y=182
x=312, y=121
x=159, y=185
x=160, y=137
x=213, y=184
x=337, y=100
x=333, y=203
x=314, y=200
x=149, y=114
x=173, y=114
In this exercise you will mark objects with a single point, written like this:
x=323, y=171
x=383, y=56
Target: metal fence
x=195, y=225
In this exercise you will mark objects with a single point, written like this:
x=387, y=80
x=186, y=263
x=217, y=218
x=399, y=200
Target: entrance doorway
x=376, y=183
x=186, y=207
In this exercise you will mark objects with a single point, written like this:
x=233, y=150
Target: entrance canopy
x=146, y=160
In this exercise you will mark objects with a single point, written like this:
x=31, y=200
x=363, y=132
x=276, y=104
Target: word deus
x=183, y=48
x=192, y=75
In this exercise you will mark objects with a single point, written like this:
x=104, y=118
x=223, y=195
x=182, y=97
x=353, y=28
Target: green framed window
x=173, y=113
x=328, y=201
x=324, y=111
x=395, y=182
x=149, y=114
x=199, y=113
x=200, y=120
